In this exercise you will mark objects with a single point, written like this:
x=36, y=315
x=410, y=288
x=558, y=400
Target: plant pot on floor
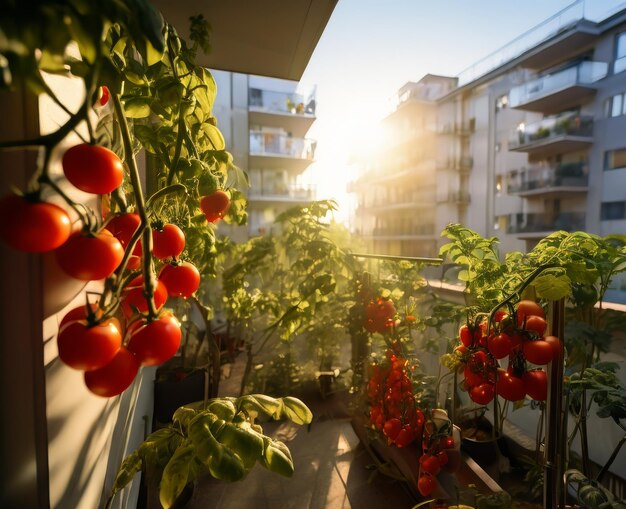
x=174, y=389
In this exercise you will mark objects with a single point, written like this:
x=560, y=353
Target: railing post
x=556, y=422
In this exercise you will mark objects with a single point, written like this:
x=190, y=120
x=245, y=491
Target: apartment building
x=528, y=141
x=397, y=194
x=265, y=122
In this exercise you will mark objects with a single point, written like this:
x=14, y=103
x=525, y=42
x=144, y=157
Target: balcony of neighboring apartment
x=559, y=90
x=537, y=225
x=457, y=164
x=454, y=197
x=557, y=134
x=293, y=112
x=277, y=150
x=281, y=193
x=404, y=232
x=461, y=128
x=538, y=180
x=402, y=199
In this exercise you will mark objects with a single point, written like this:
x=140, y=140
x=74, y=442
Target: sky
x=370, y=48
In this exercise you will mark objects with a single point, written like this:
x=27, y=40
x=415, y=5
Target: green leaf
x=296, y=411
x=136, y=108
x=150, y=21
x=246, y=443
x=551, y=287
x=130, y=466
x=176, y=475
x=226, y=465
x=277, y=458
x=224, y=409
x=214, y=136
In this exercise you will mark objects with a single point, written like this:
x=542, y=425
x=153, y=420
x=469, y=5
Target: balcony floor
x=555, y=145
x=558, y=100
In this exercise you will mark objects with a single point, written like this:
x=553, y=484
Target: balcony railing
x=278, y=144
x=397, y=231
x=537, y=178
x=550, y=128
x=283, y=191
x=544, y=222
x=453, y=197
x=462, y=128
x=456, y=164
x=282, y=102
x=583, y=74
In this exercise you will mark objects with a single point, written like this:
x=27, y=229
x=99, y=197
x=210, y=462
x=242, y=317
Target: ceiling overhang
x=273, y=38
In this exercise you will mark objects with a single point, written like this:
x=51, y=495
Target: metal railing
x=282, y=102
x=545, y=222
x=543, y=177
x=571, y=124
x=278, y=144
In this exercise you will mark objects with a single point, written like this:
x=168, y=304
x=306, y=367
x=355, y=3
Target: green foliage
x=221, y=437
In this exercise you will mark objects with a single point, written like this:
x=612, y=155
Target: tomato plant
x=181, y=280
x=89, y=257
x=88, y=347
x=157, y=341
x=134, y=299
x=115, y=377
x=169, y=241
x=33, y=226
x=92, y=168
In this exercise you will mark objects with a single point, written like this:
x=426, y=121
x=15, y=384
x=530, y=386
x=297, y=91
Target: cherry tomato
x=472, y=378
x=115, y=377
x=92, y=168
x=104, y=94
x=509, y=386
x=379, y=315
x=538, y=352
x=482, y=394
x=404, y=437
x=215, y=205
x=90, y=257
x=86, y=347
x=556, y=344
x=536, y=324
x=442, y=456
x=430, y=464
x=500, y=345
x=134, y=299
x=123, y=227
x=168, y=242
x=157, y=341
x=426, y=485
x=78, y=313
x=527, y=308
x=180, y=280
x=391, y=428
x=536, y=382
x=33, y=226
x=466, y=335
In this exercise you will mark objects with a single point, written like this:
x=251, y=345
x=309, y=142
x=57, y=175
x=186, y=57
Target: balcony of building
x=557, y=134
x=281, y=193
x=548, y=180
x=404, y=232
x=458, y=164
x=293, y=112
x=401, y=199
x=270, y=150
x=458, y=197
x=537, y=225
x=560, y=90
x=462, y=128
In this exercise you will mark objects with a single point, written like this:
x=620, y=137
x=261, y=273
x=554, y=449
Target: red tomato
x=155, y=342
x=379, y=315
x=134, y=299
x=105, y=95
x=442, y=456
x=536, y=324
x=499, y=315
x=33, y=226
x=391, y=428
x=447, y=442
x=472, y=378
x=134, y=262
x=92, y=168
x=538, y=352
x=404, y=437
x=168, y=242
x=90, y=257
x=115, y=377
x=180, y=280
x=509, y=386
x=122, y=227
x=466, y=335
x=536, y=382
x=527, y=308
x=426, y=485
x=500, y=345
x=215, y=205
x=556, y=344
x=89, y=347
x=430, y=464
x=482, y=394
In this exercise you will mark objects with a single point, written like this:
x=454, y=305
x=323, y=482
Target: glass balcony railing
x=557, y=126
x=404, y=230
x=544, y=222
x=278, y=144
x=282, y=102
x=282, y=190
x=585, y=73
x=547, y=177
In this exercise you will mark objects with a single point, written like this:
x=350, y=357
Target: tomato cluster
x=393, y=409
x=436, y=443
x=520, y=337
x=379, y=315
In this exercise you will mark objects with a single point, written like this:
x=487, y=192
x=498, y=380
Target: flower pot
x=171, y=393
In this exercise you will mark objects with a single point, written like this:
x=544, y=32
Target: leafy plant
x=220, y=436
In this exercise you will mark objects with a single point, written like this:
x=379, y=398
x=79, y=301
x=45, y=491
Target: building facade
x=265, y=122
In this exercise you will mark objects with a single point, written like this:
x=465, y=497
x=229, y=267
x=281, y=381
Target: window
x=499, y=181
x=615, y=159
x=615, y=106
x=620, y=53
x=502, y=102
x=613, y=210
